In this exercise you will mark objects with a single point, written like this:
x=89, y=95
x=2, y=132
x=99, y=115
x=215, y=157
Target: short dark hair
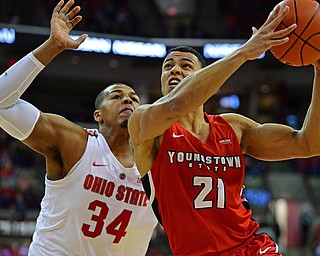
x=102, y=94
x=184, y=48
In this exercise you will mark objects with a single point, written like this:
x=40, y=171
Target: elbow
x=5, y=104
x=312, y=146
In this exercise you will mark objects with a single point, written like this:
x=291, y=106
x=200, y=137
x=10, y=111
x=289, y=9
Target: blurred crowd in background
x=22, y=171
x=151, y=18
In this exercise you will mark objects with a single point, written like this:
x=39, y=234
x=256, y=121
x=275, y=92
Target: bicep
x=60, y=141
x=267, y=141
x=272, y=142
x=53, y=131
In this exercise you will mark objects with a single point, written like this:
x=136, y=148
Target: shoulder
x=234, y=119
x=239, y=123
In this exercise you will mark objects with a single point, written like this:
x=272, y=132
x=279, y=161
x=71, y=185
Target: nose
x=175, y=70
x=127, y=100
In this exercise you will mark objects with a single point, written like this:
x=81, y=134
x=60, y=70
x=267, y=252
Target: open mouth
x=173, y=82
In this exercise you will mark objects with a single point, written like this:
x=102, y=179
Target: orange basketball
x=303, y=47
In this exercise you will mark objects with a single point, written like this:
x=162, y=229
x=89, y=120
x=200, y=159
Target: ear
x=97, y=116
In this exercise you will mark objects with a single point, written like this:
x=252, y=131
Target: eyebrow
x=121, y=91
x=183, y=59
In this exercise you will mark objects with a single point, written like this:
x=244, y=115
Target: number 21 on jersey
x=207, y=183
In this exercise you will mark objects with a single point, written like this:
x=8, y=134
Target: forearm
x=15, y=80
x=46, y=52
x=197, y=88
x=188, y=96
x=207, y=81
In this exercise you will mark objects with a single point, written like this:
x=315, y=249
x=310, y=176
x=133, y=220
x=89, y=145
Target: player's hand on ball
x=265, y=37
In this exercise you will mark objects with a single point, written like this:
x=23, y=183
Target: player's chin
x=124, y=123
x=124, y=117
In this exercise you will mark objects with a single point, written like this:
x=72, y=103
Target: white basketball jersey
x=99, y=208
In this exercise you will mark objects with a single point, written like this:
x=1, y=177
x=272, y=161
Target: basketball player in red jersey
x=194, y=161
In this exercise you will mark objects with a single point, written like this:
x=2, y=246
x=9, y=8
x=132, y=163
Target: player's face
x=119, y=103
x=177, y=66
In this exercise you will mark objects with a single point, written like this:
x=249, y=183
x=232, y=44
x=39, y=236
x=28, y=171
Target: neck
x=193, y=121
x=118, y=141
x=196, y=124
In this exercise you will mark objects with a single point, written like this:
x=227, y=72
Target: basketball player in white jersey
x=94, y=202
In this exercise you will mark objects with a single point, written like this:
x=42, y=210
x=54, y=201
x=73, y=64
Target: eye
x=187, y=66
x=167, y=66
x=135, y=99
x=116, y=97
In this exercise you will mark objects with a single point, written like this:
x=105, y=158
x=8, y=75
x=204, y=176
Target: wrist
x=47, y=51
x=240, y=56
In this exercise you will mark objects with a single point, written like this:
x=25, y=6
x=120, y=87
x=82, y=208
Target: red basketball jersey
x=197, y=187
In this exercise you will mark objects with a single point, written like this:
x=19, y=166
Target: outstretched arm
x=194, y=90
x=15, y=80
x=148, y=123
x=280, y=142
x=63, y=20
x=46, y=134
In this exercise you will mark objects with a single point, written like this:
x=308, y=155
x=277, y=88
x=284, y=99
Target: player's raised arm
x=64, y=19
x=194, y=85
x=280, y=142
x=21, y=119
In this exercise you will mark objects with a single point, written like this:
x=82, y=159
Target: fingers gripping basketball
x=303, y=47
